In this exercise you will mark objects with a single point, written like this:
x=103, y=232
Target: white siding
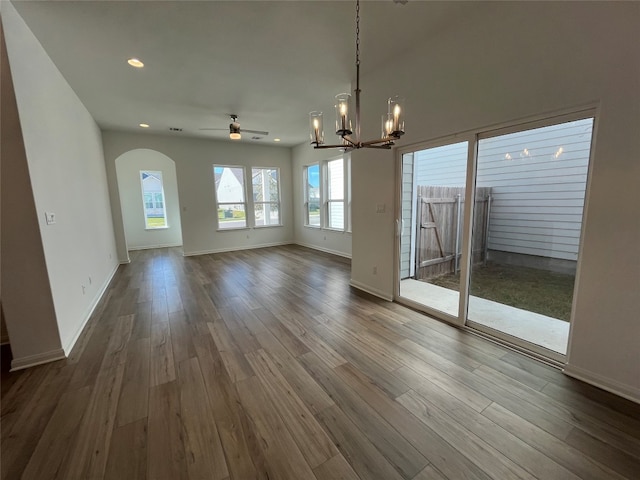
x=407, y=239
x=442, y=166
x=537, y=179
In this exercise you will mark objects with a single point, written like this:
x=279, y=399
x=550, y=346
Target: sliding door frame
x=473, y=137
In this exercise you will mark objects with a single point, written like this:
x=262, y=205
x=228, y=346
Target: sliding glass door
x=513, y=251
x=530, y=189
x=433, y=196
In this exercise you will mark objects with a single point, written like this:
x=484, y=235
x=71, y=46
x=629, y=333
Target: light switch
x=381, y=208
x=50, y=217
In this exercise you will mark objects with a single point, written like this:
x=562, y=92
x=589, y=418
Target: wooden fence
x=439, y=229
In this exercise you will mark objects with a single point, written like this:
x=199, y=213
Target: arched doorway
x=148, y=189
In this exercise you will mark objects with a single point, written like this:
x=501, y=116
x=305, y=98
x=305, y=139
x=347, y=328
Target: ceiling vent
x=175, y=129
x=256, y=138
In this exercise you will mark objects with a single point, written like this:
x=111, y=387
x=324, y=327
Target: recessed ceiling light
x=144, y=125
x=134, y=62
x=276, y=139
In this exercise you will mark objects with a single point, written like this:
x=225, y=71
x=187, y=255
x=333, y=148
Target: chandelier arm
x=348, y=147
x=388, y=141
x=386, y=146
x=348, y=139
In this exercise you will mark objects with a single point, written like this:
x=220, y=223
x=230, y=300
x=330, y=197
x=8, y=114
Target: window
x=155, y=215
x=266, y=196
x=327, y=194
x=230, y=197
x=312, y=195
x=335, y=194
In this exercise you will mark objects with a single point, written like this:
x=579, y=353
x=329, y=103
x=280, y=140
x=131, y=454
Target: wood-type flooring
x=266, y=364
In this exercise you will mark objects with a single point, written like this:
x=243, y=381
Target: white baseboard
x=71, y=343
x=149, y=247
x=371, y=290
x=37, y=359
x=629, y=392
x=326, y=250
x=234, y=249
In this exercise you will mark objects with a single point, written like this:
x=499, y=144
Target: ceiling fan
x=235, y=130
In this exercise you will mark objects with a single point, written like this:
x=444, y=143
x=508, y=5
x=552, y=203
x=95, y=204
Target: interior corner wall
x=194, y=159
x=326, y=240
x=512, y=61
x=27, y=302
x=66, y=169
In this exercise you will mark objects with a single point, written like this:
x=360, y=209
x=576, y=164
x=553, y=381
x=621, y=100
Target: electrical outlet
x=50, y=218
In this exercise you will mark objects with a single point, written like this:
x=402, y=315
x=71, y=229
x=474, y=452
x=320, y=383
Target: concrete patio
x=547, y=332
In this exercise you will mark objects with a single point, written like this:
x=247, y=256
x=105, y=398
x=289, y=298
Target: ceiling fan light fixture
x=234, y=129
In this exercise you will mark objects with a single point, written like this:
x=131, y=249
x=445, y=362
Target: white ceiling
x=269, y=62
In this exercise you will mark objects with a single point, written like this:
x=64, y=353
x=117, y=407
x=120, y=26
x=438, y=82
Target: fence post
x=418, y=235
x=486, y=230
x=457, y=260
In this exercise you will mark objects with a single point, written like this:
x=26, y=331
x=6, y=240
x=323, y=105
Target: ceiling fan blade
x=254, y=131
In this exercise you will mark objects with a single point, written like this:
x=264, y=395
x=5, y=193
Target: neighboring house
x=229, y=183
x=153, y=194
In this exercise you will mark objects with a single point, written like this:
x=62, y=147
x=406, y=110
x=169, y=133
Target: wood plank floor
x=265, y=364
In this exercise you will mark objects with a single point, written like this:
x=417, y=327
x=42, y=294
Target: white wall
x=23, y=265
x=518, y=60
x=128, y=167
x=194, y=160
x=326, y=240
x=66, y=167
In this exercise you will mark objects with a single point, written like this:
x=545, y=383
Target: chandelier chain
x=358, y=32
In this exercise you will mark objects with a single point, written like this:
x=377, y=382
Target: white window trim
x=305, y=179
x=323, y=197
x=279, y=202
x=219, y=204
x=144, y=203
x=327, y=201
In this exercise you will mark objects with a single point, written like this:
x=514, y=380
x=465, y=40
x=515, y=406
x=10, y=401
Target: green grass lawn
x=156, y=222
x=539, y=291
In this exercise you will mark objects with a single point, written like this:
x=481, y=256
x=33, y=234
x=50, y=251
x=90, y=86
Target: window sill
x=235, y=229
x=269, y=226
x=157, y=228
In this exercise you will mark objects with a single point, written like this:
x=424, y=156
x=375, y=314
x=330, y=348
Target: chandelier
x=392, y=121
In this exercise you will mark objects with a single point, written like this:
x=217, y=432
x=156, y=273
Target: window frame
x=153, y=200
x=219, y=205
x=328, y=201
x=305, y=175
x=264, y=203
x=324, y=192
